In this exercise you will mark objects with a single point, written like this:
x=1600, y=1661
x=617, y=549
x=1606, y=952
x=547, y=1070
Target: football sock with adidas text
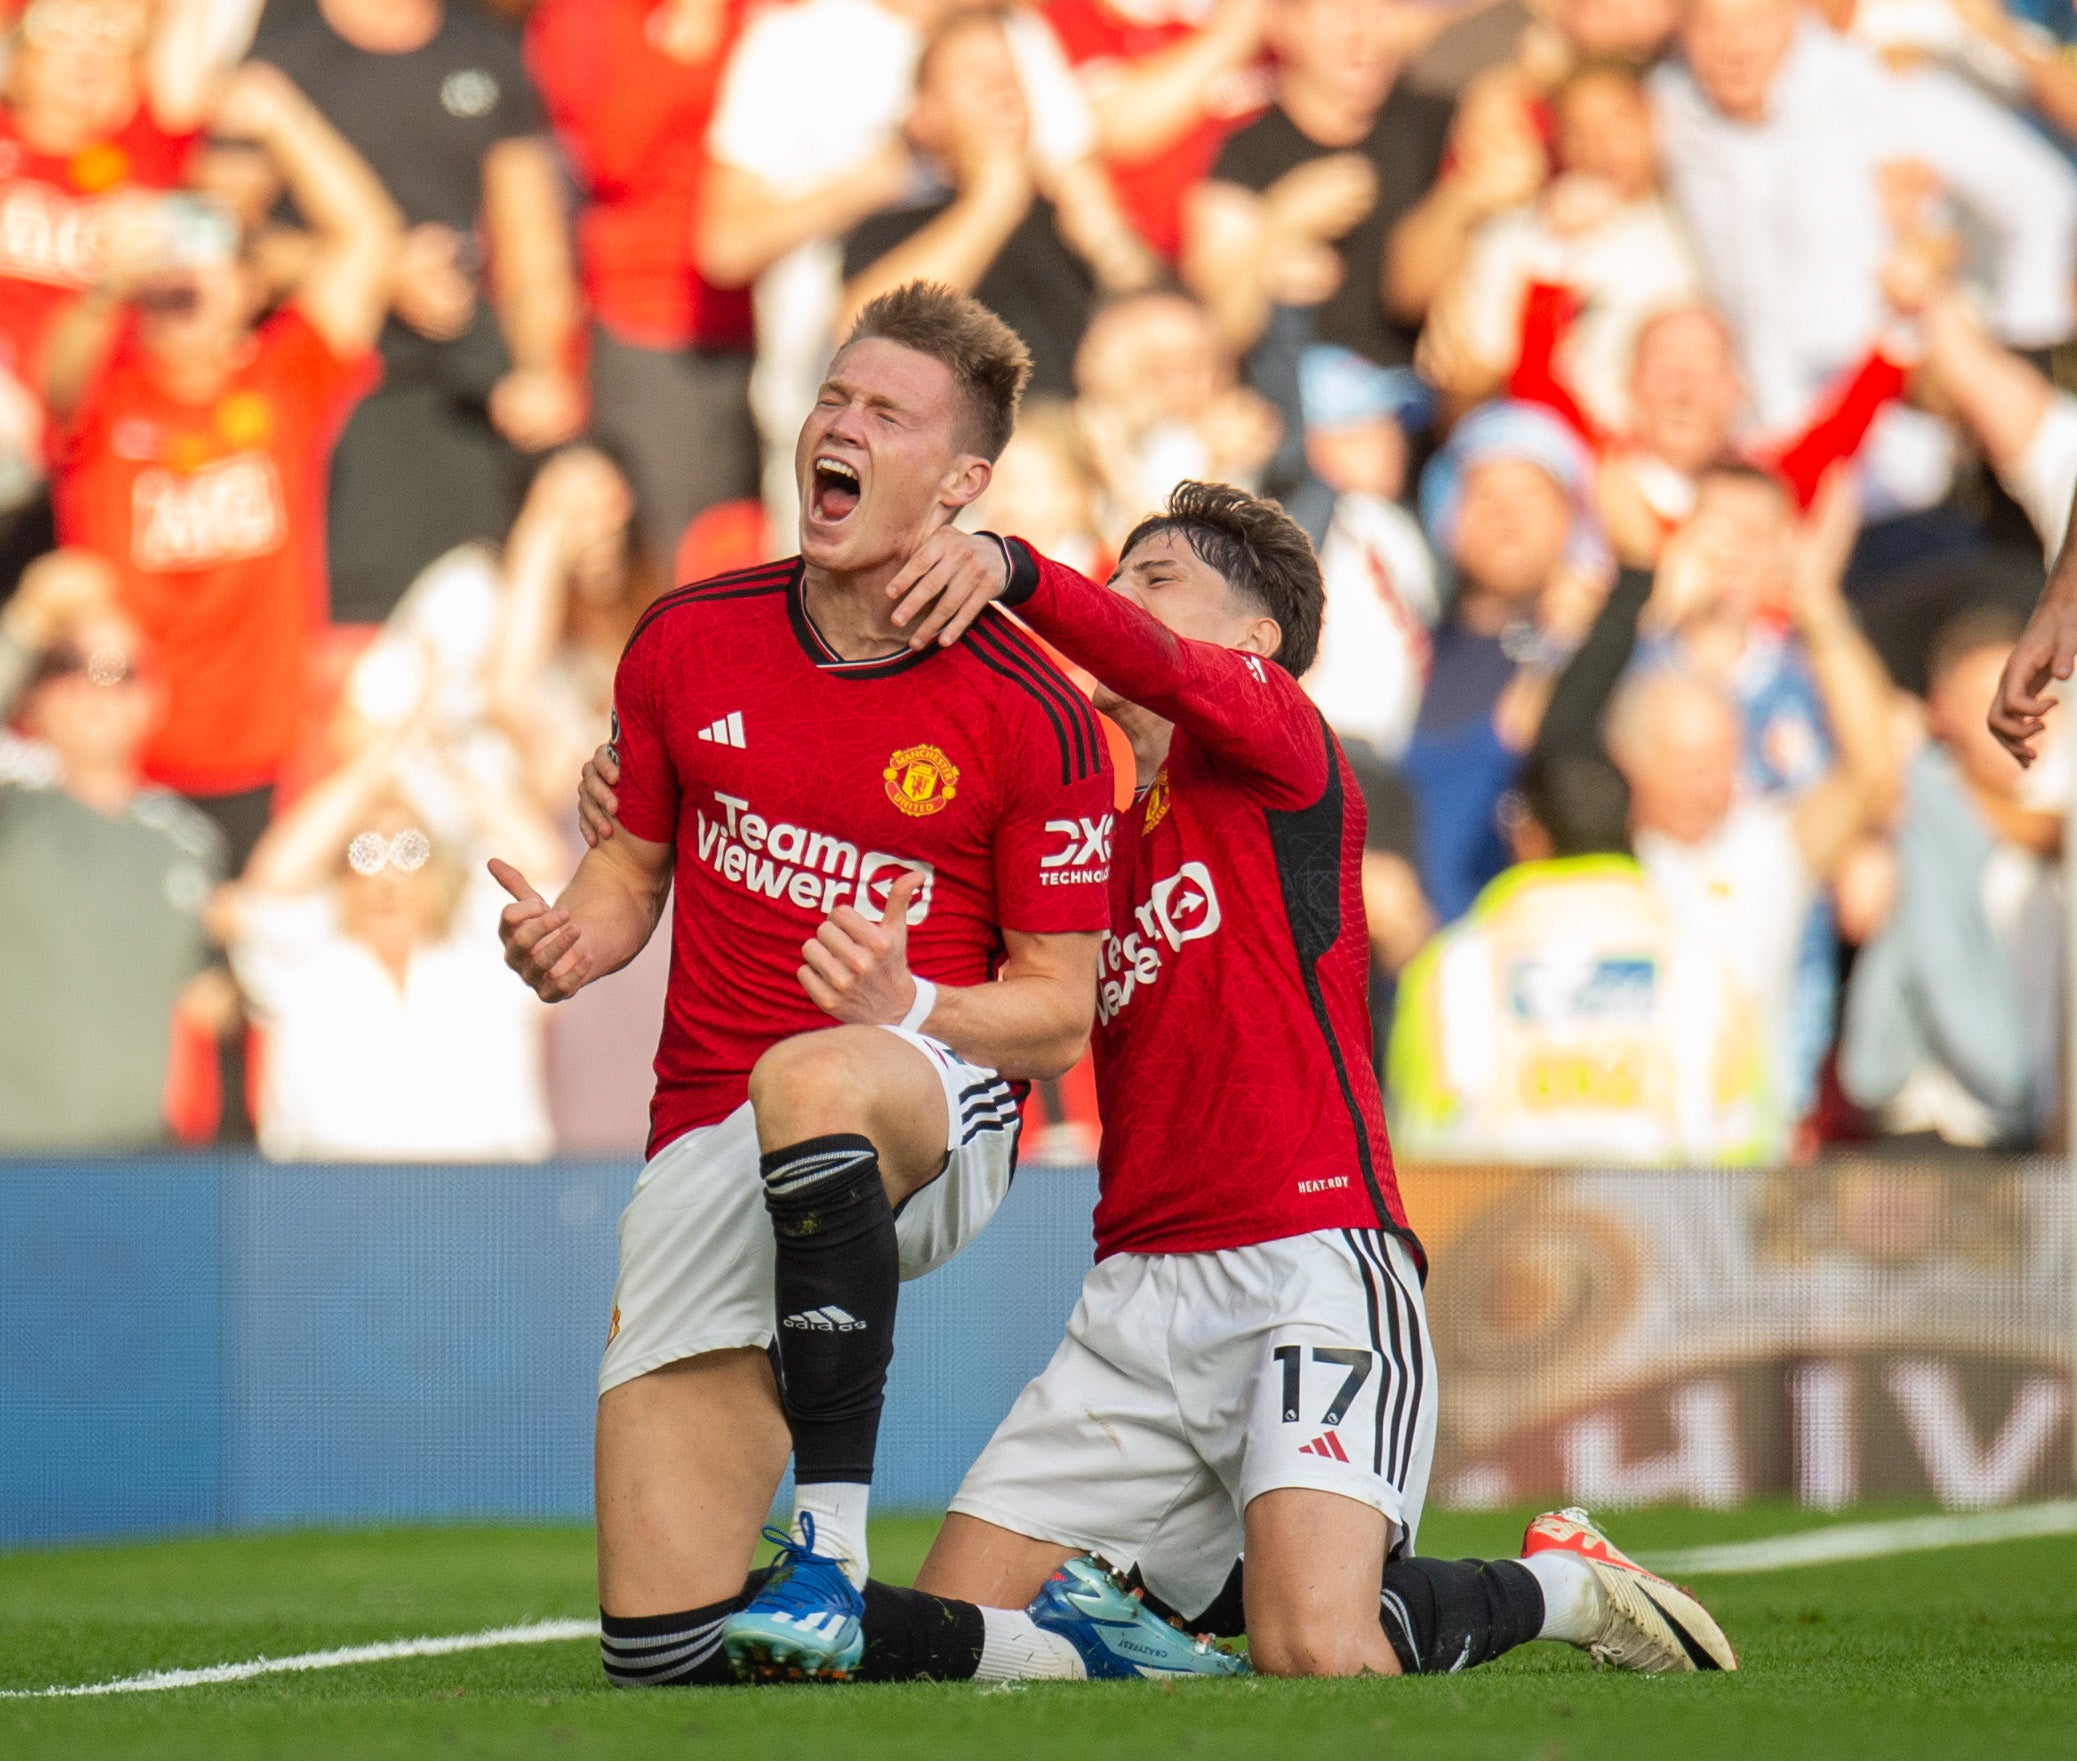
x=1446, y=1615
x=838, y=1279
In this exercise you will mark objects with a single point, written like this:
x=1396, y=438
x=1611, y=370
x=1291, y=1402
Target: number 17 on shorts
x=1348, y=1406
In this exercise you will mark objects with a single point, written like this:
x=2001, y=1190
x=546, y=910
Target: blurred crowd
x=1670, y=387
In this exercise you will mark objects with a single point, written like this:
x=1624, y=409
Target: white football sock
x=1015, y=1648
x=1572, y=1596
x=838, y=1507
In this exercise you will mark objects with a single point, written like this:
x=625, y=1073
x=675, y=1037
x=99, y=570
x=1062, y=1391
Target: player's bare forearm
x=1031, y=1026
x=1031, y=1022
x=618, y=893
x=602, y=920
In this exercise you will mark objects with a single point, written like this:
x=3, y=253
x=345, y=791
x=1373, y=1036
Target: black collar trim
x=825, y=658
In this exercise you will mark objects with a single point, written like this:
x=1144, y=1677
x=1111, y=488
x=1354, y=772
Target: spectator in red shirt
x=629, y=86
x=194, y=443
x=92, y=106
x=1166, y=80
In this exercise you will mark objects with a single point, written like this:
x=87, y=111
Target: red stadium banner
x=1859, y=1329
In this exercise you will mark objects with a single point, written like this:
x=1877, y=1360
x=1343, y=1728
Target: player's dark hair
x=1580, y=799
x=1258, y=550
x=986, y=357
x=1967, y=632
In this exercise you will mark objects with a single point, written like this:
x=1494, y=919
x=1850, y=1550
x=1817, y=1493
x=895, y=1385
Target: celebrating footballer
x=900, y=893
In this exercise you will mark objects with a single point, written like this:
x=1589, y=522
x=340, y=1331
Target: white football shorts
x=1189, y=1384
x=696, y=1265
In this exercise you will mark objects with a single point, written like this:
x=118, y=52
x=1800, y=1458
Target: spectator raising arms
x=94, y=106
x=104, y=878
x=1777, y=135
x=1166, y=79
x=1301, y=200
x=1497, y=160
x=194, y=443
x=367, y=946
x=576, y=584
x=1742, y=870
x=982, y=221
x=434, y=95
x=806, y=142
x=630, y=86
x=1600, y=230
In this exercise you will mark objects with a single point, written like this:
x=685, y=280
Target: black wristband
x=1023, y=565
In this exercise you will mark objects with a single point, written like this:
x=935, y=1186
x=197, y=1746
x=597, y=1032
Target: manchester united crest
x=1157, y=801
x=920, y=780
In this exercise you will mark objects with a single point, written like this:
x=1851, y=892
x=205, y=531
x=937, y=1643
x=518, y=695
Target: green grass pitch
x=1966, y=1652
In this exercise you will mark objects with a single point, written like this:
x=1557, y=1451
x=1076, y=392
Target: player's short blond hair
x=987, y=359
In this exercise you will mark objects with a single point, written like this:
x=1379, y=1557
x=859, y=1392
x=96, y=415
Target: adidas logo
x=728, y=731
x=1326, y=1443
x=831, y=1319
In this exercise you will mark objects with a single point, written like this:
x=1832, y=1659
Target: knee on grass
x=1278, y=1650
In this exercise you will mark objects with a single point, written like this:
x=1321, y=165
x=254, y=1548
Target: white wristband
x=919, y=1010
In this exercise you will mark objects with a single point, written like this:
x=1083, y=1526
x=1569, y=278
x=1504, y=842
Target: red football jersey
x=213, y=515
x=51, y=221
x=1233, y=1052
x=791, y=782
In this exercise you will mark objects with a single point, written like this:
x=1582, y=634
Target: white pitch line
x=541, y=1632
x=1843, y=1541
x=1918, y=1534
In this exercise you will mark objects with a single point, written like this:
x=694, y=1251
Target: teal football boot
x=806, y=1624
x=1118, y=1635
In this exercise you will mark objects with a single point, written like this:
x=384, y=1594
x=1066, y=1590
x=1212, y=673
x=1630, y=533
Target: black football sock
x=838, y=1281
x=910, y=1636
x=667, y=1650
x=672, y=1650
x=1226, y=1618
x=1445, y=1615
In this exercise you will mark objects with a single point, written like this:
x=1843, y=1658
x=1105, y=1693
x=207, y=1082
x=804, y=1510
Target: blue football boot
x=1118, y=1635
x=806, y=1624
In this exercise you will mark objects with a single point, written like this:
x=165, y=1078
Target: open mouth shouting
x=834, y=489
